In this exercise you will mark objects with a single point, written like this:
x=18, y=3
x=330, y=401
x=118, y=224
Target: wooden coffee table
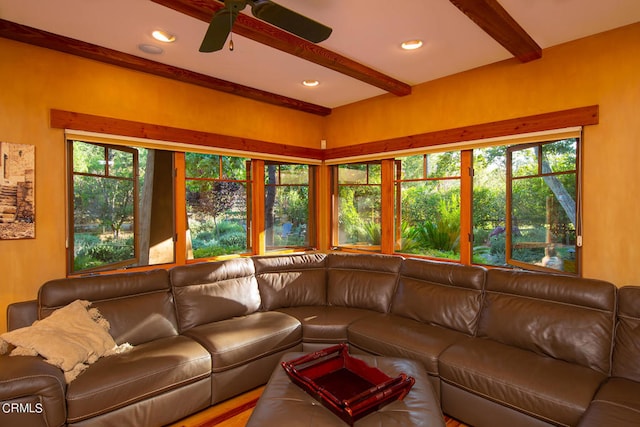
x=284, y=404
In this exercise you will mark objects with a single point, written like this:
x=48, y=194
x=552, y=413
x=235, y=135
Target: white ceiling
x=367, y=31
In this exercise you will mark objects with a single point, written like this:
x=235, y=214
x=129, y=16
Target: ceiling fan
x=266, y=10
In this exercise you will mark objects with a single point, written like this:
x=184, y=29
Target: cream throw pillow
x=71, y=338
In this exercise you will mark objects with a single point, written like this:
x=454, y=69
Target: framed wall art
x=17, y=197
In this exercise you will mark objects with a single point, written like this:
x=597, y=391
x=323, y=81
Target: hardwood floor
x=451, y=422
x=230, y=413
x=236, y=412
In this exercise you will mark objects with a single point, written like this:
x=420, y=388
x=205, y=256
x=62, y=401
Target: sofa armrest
x=21, y=314
x=32, y=392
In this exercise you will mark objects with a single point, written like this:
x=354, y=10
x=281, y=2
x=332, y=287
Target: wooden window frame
x=311, y=209
x=509, y=222
x=71, y=173
x=250, y=170
x=335, y=188
x=465, y=138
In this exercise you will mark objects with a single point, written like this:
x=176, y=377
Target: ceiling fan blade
x=290, y=21
x=218, y=30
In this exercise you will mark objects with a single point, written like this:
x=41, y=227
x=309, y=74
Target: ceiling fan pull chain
x=231, y=32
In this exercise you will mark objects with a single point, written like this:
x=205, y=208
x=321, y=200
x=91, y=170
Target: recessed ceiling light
x=310, y=83
x=149, y=48
x=163, y=36
x=412, y=44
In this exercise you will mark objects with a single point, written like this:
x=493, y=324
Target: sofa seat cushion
x=145, y=371
x=396, y=336
x=617, y=403
x=326, y=324
x=550, y=389
x=240, y=340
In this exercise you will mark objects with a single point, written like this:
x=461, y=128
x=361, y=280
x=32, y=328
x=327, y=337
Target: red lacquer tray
x=347, y=386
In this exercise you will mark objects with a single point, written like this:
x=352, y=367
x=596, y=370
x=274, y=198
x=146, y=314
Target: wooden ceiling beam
x=496, y=21
x=276, y=38
x=24, y=34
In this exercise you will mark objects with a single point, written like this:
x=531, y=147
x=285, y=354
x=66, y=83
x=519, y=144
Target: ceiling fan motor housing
x=222, y=22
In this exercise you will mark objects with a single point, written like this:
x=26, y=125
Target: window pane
x=489, y=205
x=217, y=208
x=287, y=206
x=291, y=216
x=103, y=221
x=88, y=158
x=442, y=165
x=120, y=163
x=525, y=162
x=352, y=174
x=235, y=168
x=358, y=205
x=544, y=210
x=217, y=217
x=428, y=217
x=294, y=174
x=544, y=221
x=559, y=156
x=430, y=212
x=111, y=223
x=413, y=167
x=202, y=165
x=375, y=174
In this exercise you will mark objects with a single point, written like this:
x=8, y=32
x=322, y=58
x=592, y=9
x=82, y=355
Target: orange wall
x=598, y=70
x=602, y=69
x=35, y=80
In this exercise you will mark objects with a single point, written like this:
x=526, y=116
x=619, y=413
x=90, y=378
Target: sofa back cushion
x=139, y=306
x=362, y=281
x=291, y=280
x=626, y=362
x=213, y=291
x=563, y=317
x=440, y=293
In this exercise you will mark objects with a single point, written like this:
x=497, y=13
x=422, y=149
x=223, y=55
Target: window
x=427, y=205
x=218, y=201
x=502, y=205
x=357, y=205
x=490, y=205
x=525, y=205
x=289, y=206
x=122, y=205
x=113, y=190
x=543, y=194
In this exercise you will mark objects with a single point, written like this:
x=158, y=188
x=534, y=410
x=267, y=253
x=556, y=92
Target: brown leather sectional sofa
x=501, y=347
